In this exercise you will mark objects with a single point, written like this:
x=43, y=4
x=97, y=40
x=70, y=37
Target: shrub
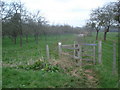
x=41, y=65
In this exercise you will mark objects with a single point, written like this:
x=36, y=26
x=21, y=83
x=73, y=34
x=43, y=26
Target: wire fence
x=109, y=55
x=105, y=54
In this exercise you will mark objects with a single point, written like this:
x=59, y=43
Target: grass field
x=52, y=77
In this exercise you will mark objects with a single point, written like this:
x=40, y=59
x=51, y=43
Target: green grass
x=18, y=78
x=14, y=54
x=108, y=79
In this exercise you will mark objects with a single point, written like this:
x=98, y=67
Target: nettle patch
x=41, y=65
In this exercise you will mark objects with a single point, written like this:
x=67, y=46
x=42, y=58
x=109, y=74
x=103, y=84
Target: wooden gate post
x=78, y=51
x=114, y=58
x=47, y=52
x=100, y=52
x=74, y=50
x=59, y=49
x=80, y=54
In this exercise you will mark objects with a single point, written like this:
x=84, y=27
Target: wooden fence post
x=74, y=50
x=59, y=49
x=114, y=58
x=94, y=55
x=78, y=51
x=47, y=52
x=80, y=54
x=100, y=52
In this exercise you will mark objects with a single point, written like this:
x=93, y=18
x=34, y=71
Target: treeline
x=18, y=21
x=105, y=18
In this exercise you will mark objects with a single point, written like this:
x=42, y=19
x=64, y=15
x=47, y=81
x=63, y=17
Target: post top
x=59, y=43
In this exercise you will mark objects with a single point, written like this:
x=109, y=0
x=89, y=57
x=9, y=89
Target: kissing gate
x=81, y=51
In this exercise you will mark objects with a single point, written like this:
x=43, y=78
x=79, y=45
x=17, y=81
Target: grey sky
x=72, y=12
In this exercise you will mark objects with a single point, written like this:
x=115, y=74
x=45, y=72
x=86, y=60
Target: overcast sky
x=72, y=12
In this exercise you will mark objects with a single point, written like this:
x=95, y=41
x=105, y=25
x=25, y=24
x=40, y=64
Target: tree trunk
x=97, y=35
x=26, y=38
x=20, y=40
x=14, y=36
x=14, y=40
x=105, y=34
x=20, y=34
x=36, y=38
x=11, y=38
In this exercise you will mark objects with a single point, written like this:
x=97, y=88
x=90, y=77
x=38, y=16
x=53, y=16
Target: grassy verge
x=14, y=78
x=105, y=71
x=13, y=55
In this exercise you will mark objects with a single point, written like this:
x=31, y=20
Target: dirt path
x=87, y=76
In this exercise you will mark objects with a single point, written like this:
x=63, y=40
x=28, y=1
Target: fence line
x=78, y=52
x=94, y=52
x=100, y=52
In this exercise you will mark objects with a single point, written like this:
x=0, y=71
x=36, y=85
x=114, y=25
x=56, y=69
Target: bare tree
x=103, y=17
x=108, y=14
x=96, y=20
x=17, y=11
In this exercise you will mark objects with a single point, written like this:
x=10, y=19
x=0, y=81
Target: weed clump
x=41, y=65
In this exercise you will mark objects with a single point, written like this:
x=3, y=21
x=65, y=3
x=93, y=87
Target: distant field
x=14, y=55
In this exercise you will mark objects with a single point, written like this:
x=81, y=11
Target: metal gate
x=81, y=52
